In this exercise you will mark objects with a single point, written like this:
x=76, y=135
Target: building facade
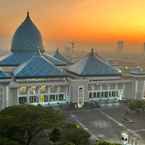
x=30, y=76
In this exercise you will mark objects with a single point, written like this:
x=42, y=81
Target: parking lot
x=109, y=122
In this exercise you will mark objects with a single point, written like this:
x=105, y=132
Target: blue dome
x=27, y=38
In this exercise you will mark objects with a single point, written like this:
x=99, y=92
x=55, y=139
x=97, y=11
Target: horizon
x=88, y=22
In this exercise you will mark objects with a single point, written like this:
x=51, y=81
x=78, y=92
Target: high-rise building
x=120, y=45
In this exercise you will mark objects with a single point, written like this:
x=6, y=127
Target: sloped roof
x=27, y=37
x=92, y=65
x=59, y=56
x=15, y=59
x=137, y=71
x=4, y=75
x=54, y=60
x=38, y=66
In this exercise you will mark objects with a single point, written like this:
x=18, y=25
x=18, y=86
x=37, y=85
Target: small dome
x=27, y=38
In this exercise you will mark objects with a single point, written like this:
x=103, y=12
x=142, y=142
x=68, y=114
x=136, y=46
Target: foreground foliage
x=37, y=125
x=6, y=141
x=136, y=105
x=105, y=143
x=24, y=123
x=70, y=134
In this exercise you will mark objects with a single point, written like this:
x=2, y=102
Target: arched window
x=23, y=90
x=43, y=89
x=33, y=90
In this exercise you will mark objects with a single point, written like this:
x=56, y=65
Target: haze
x=83, y=21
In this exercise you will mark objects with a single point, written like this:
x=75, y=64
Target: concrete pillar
x=7, y=96
x=136, y=88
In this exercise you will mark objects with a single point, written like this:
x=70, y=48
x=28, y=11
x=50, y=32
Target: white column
x=101, y=90
x=143, y=90
x=108, y=88
x=2, y=98
x=80, y=96
x=136, y=88
x=17, y=99
x=28, y=95
x=7, y=96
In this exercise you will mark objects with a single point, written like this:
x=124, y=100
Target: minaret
x=27, y=13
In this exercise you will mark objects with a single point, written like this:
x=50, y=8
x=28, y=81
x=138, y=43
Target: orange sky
x=78, y=20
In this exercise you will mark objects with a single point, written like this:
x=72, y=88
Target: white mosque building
x=28, y=75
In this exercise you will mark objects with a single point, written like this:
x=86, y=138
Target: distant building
x=30, y=76
x=144, y=47
x=120, y=45
x=69, y=50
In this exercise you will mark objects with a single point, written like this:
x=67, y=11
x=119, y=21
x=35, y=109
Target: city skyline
x=84, y=21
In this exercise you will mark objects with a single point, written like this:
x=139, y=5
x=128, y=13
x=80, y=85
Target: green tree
x=105, y=143
x=24, y=123
x=6, y=141
x=55, y=135
x=76, y=135
x=136, y=105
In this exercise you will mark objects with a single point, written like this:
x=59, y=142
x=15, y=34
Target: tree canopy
x=37, y=125
x=136, y=105
x=23, y=123
x=105, y=143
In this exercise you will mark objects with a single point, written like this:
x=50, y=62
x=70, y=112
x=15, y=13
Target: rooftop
x=92, y=65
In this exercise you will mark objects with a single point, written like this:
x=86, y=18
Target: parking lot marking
x=119, y=124
x=114, y=120
x=140, y=130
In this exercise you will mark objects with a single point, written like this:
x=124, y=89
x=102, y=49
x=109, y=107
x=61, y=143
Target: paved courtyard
x=109, y=122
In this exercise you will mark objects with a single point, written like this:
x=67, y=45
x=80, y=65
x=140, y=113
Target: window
x=104, y=86
x=23, y=90
x=89, y=87
x=61, y=89
x=33, y=90
x=41, y=99
x=52, y=97
x=22, y=100
x=106, y=94
x=33, y=99
x=112, y=86
x=113, y=93
x=45, y=98
x=90, y=95
x=43, y=89
x=97, y=87
x=110, y=94
x=53, y=89
x=94, y=94
x=102, y=94
x=116, y=93
x=98, y=94
x=61, y=97
x=120, y=86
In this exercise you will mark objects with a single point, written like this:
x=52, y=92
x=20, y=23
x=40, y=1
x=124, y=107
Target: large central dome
x=27, y=38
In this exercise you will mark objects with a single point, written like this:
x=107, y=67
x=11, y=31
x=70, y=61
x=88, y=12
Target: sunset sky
x=78, y=20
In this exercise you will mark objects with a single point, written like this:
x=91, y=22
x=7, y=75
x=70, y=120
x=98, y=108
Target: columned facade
x=30, y=76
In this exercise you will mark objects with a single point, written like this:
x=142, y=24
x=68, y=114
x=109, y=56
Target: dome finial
x=92, y=52
x=27, y=13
